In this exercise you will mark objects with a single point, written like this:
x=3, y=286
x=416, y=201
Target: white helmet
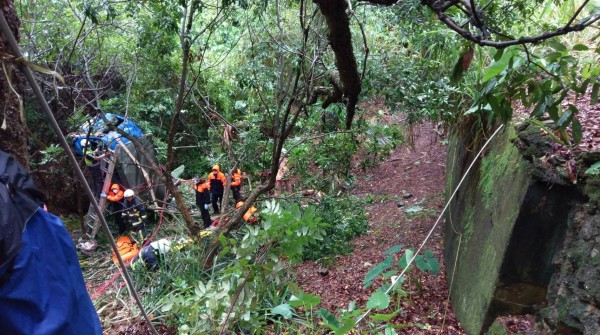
x=162, y=245
x=128, y=193
x=84, y=142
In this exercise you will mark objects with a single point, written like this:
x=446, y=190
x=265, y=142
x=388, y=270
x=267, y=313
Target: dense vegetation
x=235, y=82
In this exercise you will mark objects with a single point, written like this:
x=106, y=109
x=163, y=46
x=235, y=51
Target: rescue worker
x=92, y=157
x=201, y=187
x=152, y=255
x=115, y=196
x=236, y=184
x=249, y=216
x=134, y=215
x=216, y=185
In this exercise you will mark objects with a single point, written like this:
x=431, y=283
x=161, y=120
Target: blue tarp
x=100, y=134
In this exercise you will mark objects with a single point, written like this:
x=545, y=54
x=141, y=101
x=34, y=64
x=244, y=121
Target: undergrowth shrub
x=343, y=218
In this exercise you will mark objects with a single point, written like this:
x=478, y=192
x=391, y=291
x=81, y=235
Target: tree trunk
x=340, y=39
x=13, y=130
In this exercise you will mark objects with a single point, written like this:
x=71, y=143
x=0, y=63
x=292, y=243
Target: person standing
x=216, y=185
x=134, y=215
x=92, y=160
x=203, y=199
x=236, y=184
x=280, y=179
x=115, y=198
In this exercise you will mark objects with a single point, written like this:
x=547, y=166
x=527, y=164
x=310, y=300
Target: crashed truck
x=125, y=165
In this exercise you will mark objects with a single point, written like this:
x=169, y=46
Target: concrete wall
x=522, y=227
x=480, y=219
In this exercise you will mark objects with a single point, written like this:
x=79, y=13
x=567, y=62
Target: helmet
x=128, y=193
x=84, y=142
x=163, y=245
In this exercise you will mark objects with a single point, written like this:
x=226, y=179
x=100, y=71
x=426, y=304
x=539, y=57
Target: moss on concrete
x=483, y=214
x=497, y=328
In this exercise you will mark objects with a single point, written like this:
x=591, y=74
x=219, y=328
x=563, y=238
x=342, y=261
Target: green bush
x=343, y=219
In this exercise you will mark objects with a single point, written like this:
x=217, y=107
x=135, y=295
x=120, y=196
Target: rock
x=556, y=160
x=589, y=208
x=406, y=195
x=323, y=271
x=400, y=203
x=417, y=163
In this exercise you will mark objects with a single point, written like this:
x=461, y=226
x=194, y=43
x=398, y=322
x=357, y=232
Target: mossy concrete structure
x=513, y=234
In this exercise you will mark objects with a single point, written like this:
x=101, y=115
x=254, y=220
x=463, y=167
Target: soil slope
x=408, y=195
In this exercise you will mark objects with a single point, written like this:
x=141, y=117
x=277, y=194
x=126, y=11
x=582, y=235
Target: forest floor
x=407, y=193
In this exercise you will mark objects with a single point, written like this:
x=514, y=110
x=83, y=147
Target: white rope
x=397, y=279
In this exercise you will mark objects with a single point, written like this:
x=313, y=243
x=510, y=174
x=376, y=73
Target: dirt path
x=418, y=171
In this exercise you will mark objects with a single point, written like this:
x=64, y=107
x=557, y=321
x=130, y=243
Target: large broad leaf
x=384, y=317
x=428, y=262
x=306, y=300
x=406, y=257
x=329, y=318
x=500, y=65
x=377, y=270
x=393, y=249
x=284, y=310
x=554, y=44
x=378, y=300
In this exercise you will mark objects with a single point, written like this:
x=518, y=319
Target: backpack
x=19, y=200
x=128, y=249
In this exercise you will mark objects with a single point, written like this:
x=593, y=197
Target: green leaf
x=498, y=66
x=580, y=47
x=384, y=317
x=540, y=108
x=330, y=319
x=593, y=170
x=306, y=300
x=406, y=257
x=178, y=171
x=554, y=44
x=583, y=88
x=594, y=95
x=577, y=131
x=564, y=120
x=393, y=249
x=378, y=300
x=345, y=328
x=376, y=271
x=428, y=263
x=167, y=307
x=284, y=310
x=553, y=56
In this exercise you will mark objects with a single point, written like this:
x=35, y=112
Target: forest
x=323, y=105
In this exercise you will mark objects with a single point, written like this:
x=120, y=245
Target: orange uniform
x=236, y=184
